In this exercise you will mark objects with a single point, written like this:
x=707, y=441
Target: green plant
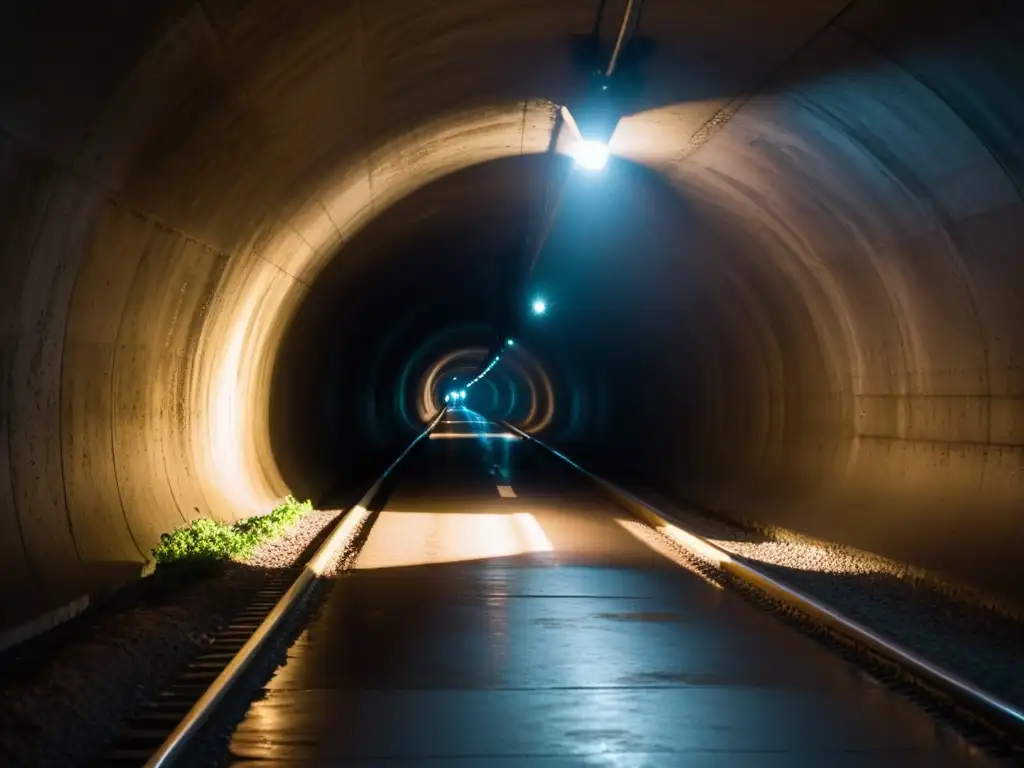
x=252, y=531
x=205, y=541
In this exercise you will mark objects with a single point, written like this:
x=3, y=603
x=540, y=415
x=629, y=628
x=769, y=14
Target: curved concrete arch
x=179, y=178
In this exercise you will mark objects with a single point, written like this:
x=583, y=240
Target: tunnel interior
x=246, y=246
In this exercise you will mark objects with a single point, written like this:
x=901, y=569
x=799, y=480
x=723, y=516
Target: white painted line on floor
x=469, y=435
x=506, y=492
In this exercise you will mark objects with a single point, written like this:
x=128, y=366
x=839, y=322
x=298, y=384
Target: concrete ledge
x=43, y=623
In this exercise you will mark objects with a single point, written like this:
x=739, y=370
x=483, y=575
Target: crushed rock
x=63, y=710
x=972, y=634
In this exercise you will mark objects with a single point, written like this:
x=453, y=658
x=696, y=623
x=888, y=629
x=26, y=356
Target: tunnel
x=247, y=247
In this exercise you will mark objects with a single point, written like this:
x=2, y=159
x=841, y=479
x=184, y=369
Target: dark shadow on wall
x=207, y=164
x=425, y=277
x=706, y=368
x=98, y=580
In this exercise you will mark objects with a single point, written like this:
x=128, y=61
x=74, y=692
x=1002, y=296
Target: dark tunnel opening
x=246, y=247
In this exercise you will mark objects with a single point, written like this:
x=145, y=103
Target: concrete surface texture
x=820, y=324
x=547, y=629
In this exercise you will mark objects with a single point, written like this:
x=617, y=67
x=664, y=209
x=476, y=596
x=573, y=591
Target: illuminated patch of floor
x=666, y=546
x=402, y=539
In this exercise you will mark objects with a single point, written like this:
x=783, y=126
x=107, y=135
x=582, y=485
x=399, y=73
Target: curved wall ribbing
x=847, y=360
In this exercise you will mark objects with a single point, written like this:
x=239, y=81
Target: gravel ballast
x=288, y=549
x=974, y=635
x=62, y=710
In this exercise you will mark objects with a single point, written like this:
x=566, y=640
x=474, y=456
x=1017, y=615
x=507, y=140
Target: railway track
x=154, y=723
x=987, y=721
x=160, y=732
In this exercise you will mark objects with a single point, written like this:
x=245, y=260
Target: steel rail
x=990, y=709
x=344, y=528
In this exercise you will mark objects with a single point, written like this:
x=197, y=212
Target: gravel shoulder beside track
x=62, y=708
x=969, y=633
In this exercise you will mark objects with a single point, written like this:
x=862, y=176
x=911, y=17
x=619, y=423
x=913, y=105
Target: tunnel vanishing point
x=242, y=240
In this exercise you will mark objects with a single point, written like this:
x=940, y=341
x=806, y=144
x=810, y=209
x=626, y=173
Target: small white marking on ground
x=506, y=492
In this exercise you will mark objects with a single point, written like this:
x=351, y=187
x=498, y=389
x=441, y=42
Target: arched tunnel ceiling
x=179, y=178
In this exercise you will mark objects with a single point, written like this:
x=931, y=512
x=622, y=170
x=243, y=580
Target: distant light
x=510, y=342
x=462, y=394
x=539, y=306
x=447, y=398
x=590, y=155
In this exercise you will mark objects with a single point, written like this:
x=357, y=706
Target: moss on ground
x=205, y=541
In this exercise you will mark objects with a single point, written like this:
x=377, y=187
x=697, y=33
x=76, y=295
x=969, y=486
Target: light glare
x=539, y=306
x=590, y=155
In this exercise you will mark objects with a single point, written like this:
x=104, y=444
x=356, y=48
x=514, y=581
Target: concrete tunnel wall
x=176, y=176
x=379, y=305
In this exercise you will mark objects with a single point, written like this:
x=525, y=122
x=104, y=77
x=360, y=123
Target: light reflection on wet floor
x=536, y=630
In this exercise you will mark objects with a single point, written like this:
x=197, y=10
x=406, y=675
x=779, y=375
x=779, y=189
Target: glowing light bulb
x=590, y=155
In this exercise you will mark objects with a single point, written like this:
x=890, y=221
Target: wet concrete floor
x=502, y=613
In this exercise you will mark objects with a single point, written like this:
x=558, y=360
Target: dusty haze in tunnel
x=806, y=310
x=410, y=302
